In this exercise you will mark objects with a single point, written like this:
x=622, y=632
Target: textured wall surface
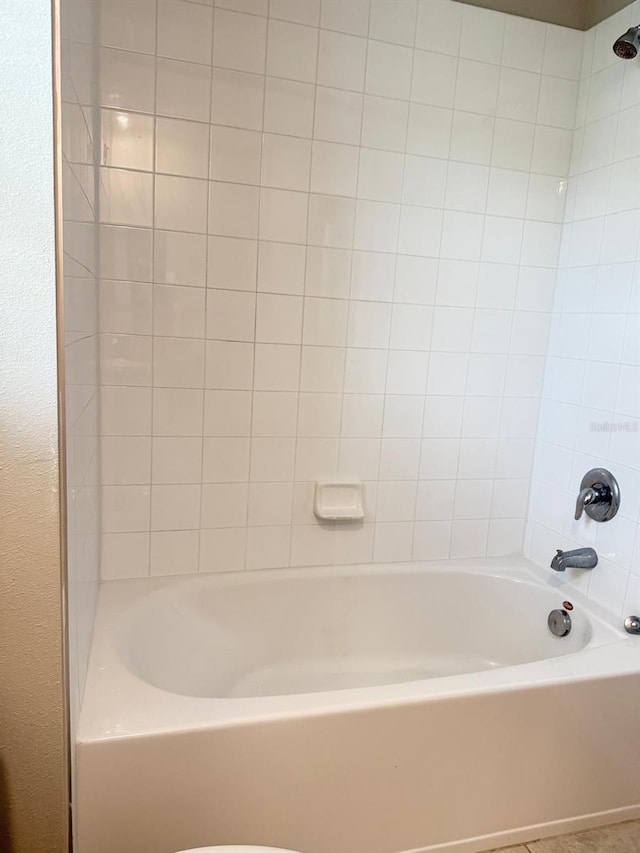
x=33, y=795
x=590, y=414
x=600, y=10
x=329, y=243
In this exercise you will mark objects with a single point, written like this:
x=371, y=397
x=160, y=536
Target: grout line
x=207, y=296
x=377, y=481
x=152, y=292
x=296, y=442
x=256, y=291
x=416, y=481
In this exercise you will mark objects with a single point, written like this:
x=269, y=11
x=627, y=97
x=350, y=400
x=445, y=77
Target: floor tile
x=512, y=850
x=620, y=838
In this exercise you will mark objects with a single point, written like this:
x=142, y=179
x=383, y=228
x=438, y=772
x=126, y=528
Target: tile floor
x=619, y=838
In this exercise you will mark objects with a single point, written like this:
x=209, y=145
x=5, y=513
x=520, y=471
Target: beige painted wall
x=33, y=788
x=598, y=10
x=579, y=14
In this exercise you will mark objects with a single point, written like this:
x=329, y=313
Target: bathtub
x=361, y=709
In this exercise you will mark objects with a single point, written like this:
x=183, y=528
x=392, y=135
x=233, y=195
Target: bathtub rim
x=148, y=710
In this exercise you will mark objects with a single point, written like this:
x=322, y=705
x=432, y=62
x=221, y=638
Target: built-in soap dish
x=338, y=502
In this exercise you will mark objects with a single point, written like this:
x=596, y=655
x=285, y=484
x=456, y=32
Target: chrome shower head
x=628, y=45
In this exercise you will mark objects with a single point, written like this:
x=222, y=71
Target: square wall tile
x=224, y=505
x=125, y=307
x=178, y=363
x=126, y=197
x=384, y=123
x=176, y=460
x=237, y=99
x=178, y=311
x=338, y=115
x=286, y=162
x=229, y=365
x=125, y=509
x=345, y=18
x=277, y=367
x=235, y=155
x=182, y=147
x=174, y=552
x=393, y=21
x=281, y=268
x=268, y=547
x=274, y=413
x=283, y=216
x=180, y=258
x=126, y=253
x=279, y=319
x=239, y=41
x=183, y=90
x=222, y=550
x=226, y=460
x=127, y=80
x=439, y=22
x=184, y=31
x=289, y=107
x=341, y=61
x=231, y=315
x=434, y=78
x=180, y=204
x=232, y=263
x=331, y=221
x=227, y=413
x=233, y=210
x=177, y=411
x=292, y=51
x=125, y=25
x=127, y=140
x=175, y=507
x=388, y=70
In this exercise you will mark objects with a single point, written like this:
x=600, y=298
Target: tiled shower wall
x=80, y=287
x=329, y=242
x=591, y=406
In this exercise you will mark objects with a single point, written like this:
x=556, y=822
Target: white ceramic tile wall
x=591, y=403
x=329, y=243
x=78, y=59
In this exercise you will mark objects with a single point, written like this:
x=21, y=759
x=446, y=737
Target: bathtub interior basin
x=271, y=634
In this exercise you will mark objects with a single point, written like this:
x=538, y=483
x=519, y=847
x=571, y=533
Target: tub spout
x=581, y=558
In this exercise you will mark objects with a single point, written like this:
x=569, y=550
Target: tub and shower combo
x=364, y=709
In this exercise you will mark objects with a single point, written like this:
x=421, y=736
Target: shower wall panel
x=591, y=403
x=329, y=240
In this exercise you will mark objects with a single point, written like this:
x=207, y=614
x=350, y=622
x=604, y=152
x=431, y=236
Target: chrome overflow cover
x=632, y=624
x=559, y=623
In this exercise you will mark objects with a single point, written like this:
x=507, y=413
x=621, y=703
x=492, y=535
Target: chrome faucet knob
x=587, y=496
x=599, y=495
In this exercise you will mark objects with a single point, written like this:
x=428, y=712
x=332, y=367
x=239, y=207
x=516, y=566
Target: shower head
x=628, y=45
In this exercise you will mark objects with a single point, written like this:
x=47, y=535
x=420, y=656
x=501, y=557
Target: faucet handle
x=586, y=497
x=599, y=495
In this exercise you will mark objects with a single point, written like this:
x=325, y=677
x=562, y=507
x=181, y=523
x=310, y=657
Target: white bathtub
x=366, y=709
